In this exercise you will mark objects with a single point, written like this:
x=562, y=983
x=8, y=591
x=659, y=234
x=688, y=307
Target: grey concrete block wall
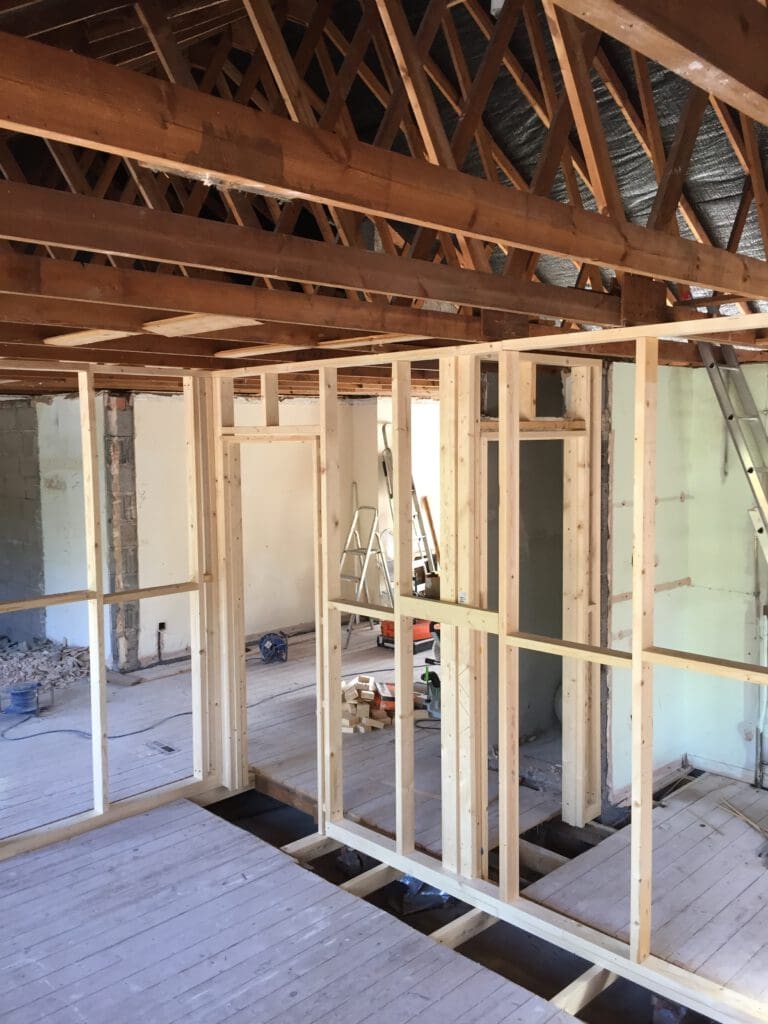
x=21, y=529
x=541, y=563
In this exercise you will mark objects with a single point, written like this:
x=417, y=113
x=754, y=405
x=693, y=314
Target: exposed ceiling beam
x=30, y=350
x=32, y=275
x=32, y=214
x=60, y=95
x=718, y=46
x=19, y=313
x=19, y=309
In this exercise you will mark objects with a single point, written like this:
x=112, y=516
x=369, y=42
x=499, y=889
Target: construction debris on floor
x=368, y=704
x=41, y=661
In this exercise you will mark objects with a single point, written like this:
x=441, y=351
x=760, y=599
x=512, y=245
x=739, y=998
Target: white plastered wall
x=62, y=511
x=278, y=508
x=425, y=458
x=703, y=533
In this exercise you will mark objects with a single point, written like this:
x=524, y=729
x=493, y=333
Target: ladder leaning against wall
x=747, y=431
x=745, y=426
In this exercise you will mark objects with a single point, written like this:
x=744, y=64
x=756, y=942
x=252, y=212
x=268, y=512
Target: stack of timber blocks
x=361, y=711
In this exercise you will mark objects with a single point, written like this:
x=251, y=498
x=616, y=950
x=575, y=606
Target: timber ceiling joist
x=362, y=175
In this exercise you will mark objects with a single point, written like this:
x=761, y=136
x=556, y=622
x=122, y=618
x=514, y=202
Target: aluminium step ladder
x=745, y=426
x=423, y=554
x=357, y=556
x=749, y=436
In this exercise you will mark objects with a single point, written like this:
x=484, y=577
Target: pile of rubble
x=41, y=661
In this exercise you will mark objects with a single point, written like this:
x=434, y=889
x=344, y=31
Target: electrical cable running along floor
x=179, y=916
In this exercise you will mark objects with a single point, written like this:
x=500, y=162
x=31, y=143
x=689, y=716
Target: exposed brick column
x=21, y=538
x=123, y=538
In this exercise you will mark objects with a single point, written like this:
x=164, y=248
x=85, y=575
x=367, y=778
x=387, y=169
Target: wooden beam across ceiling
x=63, y=96
x=46, y=216
x=720, y=47
x=57, y=279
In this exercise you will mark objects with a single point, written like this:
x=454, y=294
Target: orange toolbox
x=422, y=634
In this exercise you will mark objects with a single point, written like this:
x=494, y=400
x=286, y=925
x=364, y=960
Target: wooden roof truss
x=109, y=225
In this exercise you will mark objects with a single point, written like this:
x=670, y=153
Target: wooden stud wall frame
x=235, y=768
x=463, y=870
x=208, y=741
x=215, y=588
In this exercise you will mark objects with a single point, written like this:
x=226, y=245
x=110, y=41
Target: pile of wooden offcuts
x=363, y=708
x=368, y=704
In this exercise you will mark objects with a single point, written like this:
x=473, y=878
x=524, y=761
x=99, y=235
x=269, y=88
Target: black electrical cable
x=82, y=733
x=85, y=735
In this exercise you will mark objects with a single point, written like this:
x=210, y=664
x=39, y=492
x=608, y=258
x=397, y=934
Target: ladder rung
x=354, y=551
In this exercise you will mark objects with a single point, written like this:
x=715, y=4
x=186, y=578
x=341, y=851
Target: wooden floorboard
x=45, y=770
x=178, y=916
x=282, y=744
x=45, y=762
x=710, y=885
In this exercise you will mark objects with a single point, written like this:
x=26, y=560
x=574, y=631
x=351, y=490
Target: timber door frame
x=581, y=718
x=232, y=610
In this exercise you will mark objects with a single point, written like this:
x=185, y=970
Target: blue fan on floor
x=273, y=647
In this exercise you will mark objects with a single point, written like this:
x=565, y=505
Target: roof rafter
x=207, y=138
x=720, y=48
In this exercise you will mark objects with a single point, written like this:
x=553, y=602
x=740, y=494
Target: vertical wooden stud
x=484, y=640
x=509, y=622
x=643, y=556
x=403, y=535
x=330, y=695
x=95, y=578
x=594, y=425
x=230, y=594
x=270, y=399
x=321, y=612
x=472, y=698
x=576, y=597
x=449, y=634
x=196, y=564
x=209, y=577
x=527, y=389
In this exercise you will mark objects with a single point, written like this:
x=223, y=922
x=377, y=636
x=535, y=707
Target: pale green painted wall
x=703, y=532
